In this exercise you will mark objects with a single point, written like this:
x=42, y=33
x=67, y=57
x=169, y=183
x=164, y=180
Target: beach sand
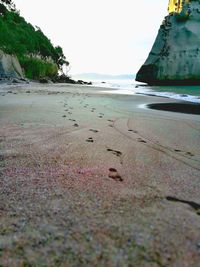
x=95, y=179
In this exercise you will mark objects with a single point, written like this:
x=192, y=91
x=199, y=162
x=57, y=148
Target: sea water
x=130, y=87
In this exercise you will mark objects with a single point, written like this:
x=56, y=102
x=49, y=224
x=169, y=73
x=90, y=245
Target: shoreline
x=178, y=106
x=89, y=177
x=165, y=103
x=187, y=104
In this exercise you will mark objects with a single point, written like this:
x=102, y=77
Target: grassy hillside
x=37, y=55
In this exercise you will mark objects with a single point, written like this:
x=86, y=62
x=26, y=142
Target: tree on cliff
x=60, y=58
x=9, y=4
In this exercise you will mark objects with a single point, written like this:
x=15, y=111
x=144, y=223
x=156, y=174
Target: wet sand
x=95, y=179
x=186, y=107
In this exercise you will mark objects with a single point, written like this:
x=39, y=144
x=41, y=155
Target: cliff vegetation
x=37, y=55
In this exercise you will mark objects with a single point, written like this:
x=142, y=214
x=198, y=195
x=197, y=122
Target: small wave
x=128, y=87
x=121, y=92
x=185, y=97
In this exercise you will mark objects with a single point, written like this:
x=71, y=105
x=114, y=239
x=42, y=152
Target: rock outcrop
x=9, y=66
x=175, y=55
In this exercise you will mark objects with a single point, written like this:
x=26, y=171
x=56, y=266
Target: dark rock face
x=175, y=55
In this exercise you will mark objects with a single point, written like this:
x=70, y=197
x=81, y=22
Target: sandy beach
x=95, y=179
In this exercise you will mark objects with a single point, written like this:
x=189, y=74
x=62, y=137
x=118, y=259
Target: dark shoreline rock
x=66, y=79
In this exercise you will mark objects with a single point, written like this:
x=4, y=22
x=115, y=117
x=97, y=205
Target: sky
x=102, y=36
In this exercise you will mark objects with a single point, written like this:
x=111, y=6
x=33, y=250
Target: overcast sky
x=104, y=36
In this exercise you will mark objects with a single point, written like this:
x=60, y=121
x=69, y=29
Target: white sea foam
x=184, y=97
x=129, y=87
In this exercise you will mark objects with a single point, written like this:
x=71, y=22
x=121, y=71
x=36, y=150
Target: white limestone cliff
x=175, y=55
x=9, y=66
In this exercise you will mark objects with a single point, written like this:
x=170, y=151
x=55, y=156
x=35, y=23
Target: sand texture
x=93, y=179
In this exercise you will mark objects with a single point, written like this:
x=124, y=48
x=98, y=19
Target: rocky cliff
x=9, y=66
x=175, y=55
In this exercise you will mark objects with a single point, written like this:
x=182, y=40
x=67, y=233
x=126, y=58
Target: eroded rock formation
x=9, y=66
x=175, y=55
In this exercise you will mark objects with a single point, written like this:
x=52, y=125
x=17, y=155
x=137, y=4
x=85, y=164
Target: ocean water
x=130, y=87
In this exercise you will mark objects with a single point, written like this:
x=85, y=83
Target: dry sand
x=94, y=179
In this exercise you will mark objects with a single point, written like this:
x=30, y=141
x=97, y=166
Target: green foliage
x=3, y=9
x=32, y=47
x=36, y=68
x=59, y=57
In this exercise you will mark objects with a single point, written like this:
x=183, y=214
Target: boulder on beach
x=175, y=55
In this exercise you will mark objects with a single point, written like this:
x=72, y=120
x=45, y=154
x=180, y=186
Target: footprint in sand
x=142, y=141
x=189, y=154
x=111, y=120
x=94, y=131
x=113, y=174
x=90, y=140
x=186, y=153
x=76, y=125
x=64, y=116
x=115, y=152
x=71, y=120
x=177, y=150
x=132, y=131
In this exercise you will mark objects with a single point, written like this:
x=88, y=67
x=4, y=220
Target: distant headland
x=100, y=76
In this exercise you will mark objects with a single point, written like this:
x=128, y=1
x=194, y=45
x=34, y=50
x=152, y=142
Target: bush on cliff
x=36, y=68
